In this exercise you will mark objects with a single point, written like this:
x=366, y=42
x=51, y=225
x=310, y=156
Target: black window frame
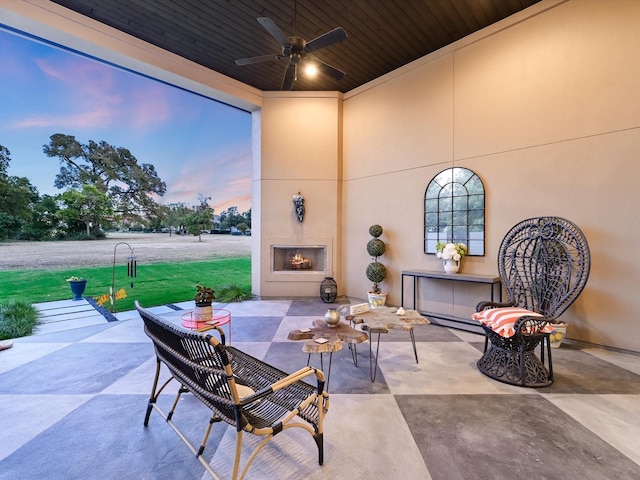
x=454, y=210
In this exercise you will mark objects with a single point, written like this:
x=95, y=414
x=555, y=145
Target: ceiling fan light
x=311, y=70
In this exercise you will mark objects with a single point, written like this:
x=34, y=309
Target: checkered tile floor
x=73, y=402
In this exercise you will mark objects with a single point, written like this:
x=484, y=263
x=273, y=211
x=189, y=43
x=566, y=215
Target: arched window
x=454, y=210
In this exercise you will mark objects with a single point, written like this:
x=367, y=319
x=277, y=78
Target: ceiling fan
x=296, y=49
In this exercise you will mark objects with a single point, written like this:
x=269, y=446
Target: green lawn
x=155, y=284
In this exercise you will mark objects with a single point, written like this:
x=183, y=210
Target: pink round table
x=219, y=317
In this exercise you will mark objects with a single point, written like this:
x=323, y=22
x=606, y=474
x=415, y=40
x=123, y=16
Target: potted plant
x=77, y=284
x=376, y=271
x=558, y=334
x=203, y=299
x=451, y=255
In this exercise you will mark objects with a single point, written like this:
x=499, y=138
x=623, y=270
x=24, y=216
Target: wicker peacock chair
x=544, y=265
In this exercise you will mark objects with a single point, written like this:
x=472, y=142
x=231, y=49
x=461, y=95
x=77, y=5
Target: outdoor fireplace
x=295, y=266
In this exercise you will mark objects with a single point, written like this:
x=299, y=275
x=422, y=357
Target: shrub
x=232, y=293
x=17, y=319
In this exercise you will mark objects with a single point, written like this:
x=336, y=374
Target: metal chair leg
x=354, y=353
x=413, y=341
x=373, y=369
x=322, y=366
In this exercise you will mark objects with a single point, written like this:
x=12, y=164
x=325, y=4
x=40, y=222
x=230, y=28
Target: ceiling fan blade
x=270, y=26
x=334, y=36
x=260, y=59
x=329, y=70
x=289, y=76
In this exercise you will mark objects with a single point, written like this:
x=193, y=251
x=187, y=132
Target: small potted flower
x=203, y=299
x=77, y=284
x=451, y=255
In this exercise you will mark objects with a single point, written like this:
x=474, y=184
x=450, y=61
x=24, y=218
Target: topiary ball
x=376, y=272
x=375, y=247
x=375, y=230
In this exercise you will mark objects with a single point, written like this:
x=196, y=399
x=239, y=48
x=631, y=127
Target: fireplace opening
x=296, y=258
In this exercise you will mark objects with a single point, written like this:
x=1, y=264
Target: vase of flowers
x=451, y=255
x=77, y=285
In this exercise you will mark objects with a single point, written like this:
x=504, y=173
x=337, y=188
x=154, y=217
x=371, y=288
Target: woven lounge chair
x=544, y=265
x=240, y=390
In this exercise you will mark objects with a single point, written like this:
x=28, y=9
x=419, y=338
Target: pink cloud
x=243, y=202
x=92, y=92
x=240, y=184
x=90, y=80
x=93, y=118
x=148, y=106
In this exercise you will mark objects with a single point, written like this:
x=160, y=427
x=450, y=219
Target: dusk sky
x=197, y=145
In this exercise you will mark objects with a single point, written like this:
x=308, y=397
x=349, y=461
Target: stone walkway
x=67, y=314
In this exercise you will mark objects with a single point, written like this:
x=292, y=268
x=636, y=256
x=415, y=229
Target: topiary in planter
x=376, y=271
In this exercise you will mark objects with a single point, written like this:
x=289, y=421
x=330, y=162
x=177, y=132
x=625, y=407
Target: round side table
x=219, y=317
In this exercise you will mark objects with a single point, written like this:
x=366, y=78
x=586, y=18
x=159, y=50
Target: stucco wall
x=300, y=151
x=547, y=112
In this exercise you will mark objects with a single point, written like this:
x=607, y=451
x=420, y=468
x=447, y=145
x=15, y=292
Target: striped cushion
x=501, y=320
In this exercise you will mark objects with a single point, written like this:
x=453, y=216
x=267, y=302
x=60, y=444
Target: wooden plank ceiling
x=382, y=34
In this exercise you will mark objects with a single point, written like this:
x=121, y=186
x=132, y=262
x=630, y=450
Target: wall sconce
x=298, y=203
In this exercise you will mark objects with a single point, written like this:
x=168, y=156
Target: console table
x=494, y=283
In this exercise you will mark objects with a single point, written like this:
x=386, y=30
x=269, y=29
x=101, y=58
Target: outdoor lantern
x=328, y=290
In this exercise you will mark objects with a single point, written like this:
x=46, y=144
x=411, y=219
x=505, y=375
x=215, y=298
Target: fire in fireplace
x=296, y=258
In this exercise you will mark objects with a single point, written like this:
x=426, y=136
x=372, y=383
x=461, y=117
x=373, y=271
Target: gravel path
x=148, y=248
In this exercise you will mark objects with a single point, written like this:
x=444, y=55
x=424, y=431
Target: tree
x=114, y=171
x=5, y=159
x=200, y=218
x=243, y=227
x=233, y=217
x=247, y=218
x=17, y=197
x=223, y=221
x=9, y=225
x=176, y=214
x=89, y=206
x=44, y=221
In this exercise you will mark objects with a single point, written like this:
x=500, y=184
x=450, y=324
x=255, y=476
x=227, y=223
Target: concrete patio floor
x=73, y=398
